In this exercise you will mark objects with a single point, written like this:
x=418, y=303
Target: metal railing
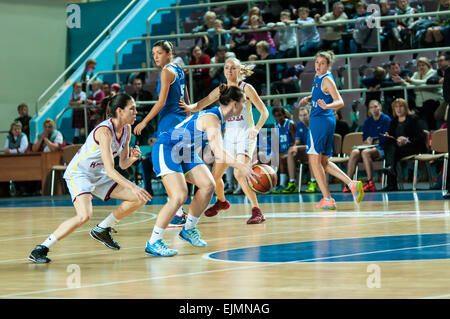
x=106, y=31
x=71, y=107
x=347, y=57
x=179, y=36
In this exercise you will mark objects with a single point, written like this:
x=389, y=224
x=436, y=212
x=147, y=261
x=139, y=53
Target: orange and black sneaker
x=326, y=204
x=218, y=206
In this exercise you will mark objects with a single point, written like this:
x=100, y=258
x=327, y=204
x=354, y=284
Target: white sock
x=50, y=241
x=156, y=234
x=180, y=212
x=350, y=185
x=191, y=222
x=313, y=180
x=109, y=221
x=283, y=179
x=327, y=199
x=292, y=181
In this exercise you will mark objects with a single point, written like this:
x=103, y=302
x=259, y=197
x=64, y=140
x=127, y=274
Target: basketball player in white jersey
x=91, y=171
x=239, y=138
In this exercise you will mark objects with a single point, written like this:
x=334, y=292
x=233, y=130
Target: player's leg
x=83, y=209
x=368, y=155
x=131, y=203
x=221, y=203
x=201, y=177
x=177, y=191
x=293, y=155
x=355, y=157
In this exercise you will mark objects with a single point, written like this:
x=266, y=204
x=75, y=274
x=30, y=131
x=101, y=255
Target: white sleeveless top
x=236, y=125
x=88, y=160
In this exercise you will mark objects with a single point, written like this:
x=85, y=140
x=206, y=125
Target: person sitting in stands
x=50, y=140
x=376, y=125
x=16, y=141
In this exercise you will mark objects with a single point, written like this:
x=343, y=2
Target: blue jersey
x=284, y=135
x=171, y=114
x=318, y=94
x=186, y=133
x=301, y=133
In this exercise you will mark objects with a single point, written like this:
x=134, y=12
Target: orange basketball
x=266, y=179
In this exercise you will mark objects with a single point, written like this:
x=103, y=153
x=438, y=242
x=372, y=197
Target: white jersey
x=88, y=160
x=236, y=125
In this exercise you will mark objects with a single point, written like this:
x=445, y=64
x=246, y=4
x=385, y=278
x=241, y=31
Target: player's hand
x=138, y=128
x=186, y=107
x=322, y=104
x=141, y=193
x=247, y=171
x=253, y=133
x=135, y=153
x=306, y=99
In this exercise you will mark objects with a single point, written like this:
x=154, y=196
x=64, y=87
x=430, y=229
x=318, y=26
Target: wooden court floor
x=389, y=246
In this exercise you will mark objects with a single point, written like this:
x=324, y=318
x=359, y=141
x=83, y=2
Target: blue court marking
x=367, y=249
x=65, y=201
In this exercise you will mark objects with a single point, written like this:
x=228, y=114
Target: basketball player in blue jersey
x=239, y=137
x=171, y=88
x=91, y=171
x=325, y=99
x=176, y=160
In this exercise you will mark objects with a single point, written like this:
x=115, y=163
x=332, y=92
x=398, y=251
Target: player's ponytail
x=115, y=102
x=229, y=94
x=244, y=70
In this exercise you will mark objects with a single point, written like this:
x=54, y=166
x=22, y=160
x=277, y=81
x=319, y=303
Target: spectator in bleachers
x=218, y=36
x=333, y=34
x=443, y=63
x=247, y=19
x=258, y=78
x=298, y=153
x=115, y=89
x=376, y=125
x=16, y=141
x=216, y=72
x=50, y=140
x=209, y=18
x=406, y=137
x=88, y=73
x=427, y=100
x=24, y=119
x=342, y=126
x=139, y=94
x=78, y=98
x=287, y=35
x=107, y=89
x=256, y=36
x=395, y=77
x=389, y=35
x=404, y=25
x=286, y=135
x=252, y=57
x=202, y=80
x=310, y=37
x=96, y=98
x=440, y=34
x=373, y=84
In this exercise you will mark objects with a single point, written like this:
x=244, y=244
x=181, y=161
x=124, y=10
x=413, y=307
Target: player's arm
x=211, y=125
x=259, y=104
x=200, y=105
x=104, y=138
x=330, y=87
x=126, y=159
x=166, y=78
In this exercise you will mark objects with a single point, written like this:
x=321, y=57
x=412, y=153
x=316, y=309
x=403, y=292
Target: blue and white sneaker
x=192, y=236
x=177, y=221
x=159, y=248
